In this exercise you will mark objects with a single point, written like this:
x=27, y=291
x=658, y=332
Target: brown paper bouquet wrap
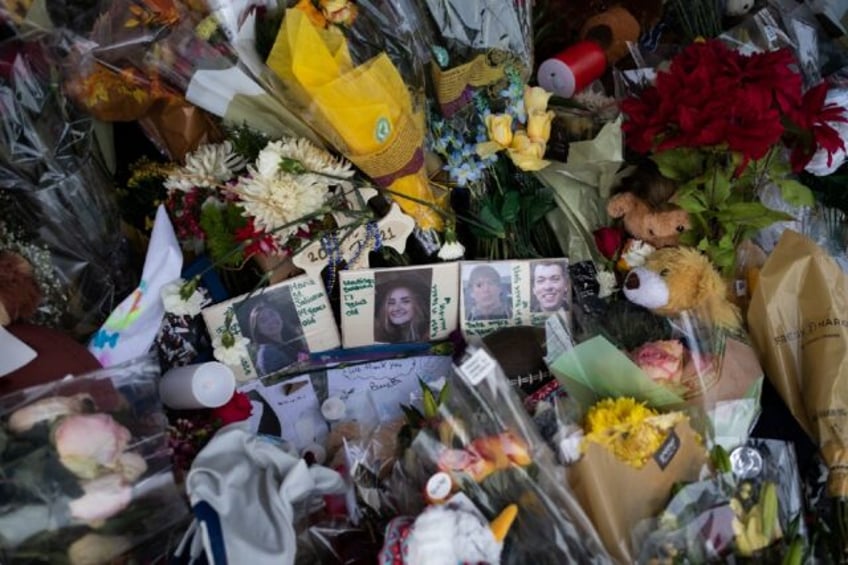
x=799, y=323
x=617, y=496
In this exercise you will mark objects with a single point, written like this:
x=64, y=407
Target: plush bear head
x=675, y=279
x=660, y=226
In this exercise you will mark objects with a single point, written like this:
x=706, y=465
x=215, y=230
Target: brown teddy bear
x=675, y=279
x=19, y=292
x=646, y=209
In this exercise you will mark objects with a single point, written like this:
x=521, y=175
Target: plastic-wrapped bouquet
x=477, y=443
x=86, y=467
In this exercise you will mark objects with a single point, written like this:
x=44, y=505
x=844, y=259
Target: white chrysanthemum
x=172, y=298
x=233, y=354
x=315, y=159
x=210, y=165
x=451, y=251
x=607, y=282
x=280, y=200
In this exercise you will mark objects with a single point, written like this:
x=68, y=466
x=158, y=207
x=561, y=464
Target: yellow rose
x=499, y=127
x=527, y=154
x=535, y=99
x=539, y=126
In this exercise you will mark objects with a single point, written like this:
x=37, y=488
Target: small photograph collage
x=288, y=321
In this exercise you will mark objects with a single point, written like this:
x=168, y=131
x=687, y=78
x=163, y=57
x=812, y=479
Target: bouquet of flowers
x=55, y=186
x=750, y=509
x=350, y=72
x=251, y=196
x=476, y=440
x=723, y=125
x=85, y=467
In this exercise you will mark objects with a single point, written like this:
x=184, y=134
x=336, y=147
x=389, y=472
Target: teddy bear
x=646, y=209
x=674, y=279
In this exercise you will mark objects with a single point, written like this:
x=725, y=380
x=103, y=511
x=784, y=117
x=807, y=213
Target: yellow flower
x=312, y=13
x=535, y=99
x=629, y=429
x=527, y=154
x=539, y=126
x=339, y=11
x=499, y=127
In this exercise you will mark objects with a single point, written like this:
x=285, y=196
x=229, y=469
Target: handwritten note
x=388, y=383
x=294, y=404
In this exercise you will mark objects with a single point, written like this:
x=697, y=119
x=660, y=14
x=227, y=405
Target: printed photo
x=402, y=312
x=399, y=305
x=271, y=323
x=284, y=323
x=487, y=291
x=550, y=286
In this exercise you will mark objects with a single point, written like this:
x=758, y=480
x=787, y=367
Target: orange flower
x=315, y=17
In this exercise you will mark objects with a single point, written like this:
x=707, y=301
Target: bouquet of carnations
x=85, y=467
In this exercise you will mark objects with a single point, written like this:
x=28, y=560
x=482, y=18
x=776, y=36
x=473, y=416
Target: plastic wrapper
x=56, y=187
x=752, y=510
x=361, y=87
x=86, y=468
x=479, y=442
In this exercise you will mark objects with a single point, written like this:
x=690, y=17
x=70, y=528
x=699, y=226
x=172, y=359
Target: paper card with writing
x=284, y=323
x=499, y=294
x=402, y=305
x=382, y=386
x=289, y=410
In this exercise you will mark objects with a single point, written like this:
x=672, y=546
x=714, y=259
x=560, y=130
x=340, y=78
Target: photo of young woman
x=402, y=312
x=271, y=324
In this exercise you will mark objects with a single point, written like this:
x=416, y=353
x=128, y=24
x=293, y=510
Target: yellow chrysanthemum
x=629, y=429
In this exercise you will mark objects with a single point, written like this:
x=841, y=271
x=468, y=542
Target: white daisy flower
x=451, y=251
x=229, y=349
x=277, y=201
x=208, y=166
x=173, y=298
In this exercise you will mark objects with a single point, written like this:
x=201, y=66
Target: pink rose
x=661, y=360
x=88, y=443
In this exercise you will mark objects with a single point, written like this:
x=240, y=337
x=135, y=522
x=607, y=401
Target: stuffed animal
x=647, y=211
x=675, y=279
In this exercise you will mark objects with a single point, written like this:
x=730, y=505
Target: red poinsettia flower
x=813, y=118
x=236, y=410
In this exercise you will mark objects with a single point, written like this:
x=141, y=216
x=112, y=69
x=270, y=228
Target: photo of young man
x=550, y=286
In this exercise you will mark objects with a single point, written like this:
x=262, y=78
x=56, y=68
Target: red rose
x=813, y=117
x=608, y=241
x=236, y=410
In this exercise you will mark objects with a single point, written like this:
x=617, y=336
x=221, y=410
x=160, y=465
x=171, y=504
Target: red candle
x=572, y=69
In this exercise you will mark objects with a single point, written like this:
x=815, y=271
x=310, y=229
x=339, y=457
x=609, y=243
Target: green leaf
x=680, y=164
x=691, y=199
x=718, y=189
x=431, y=407
x=413, y=417
x=492, y=222
x=511, y=206
x=443, y=394
x=750, y=214
x=795, y=193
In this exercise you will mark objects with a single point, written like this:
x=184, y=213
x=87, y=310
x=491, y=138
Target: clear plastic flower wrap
x=55, y=186
x=85, y=467
x=752, y=508
x=474, y=451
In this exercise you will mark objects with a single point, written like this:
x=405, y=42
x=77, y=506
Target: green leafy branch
x=723, y=204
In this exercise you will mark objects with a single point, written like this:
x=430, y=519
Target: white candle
x=206, y=385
